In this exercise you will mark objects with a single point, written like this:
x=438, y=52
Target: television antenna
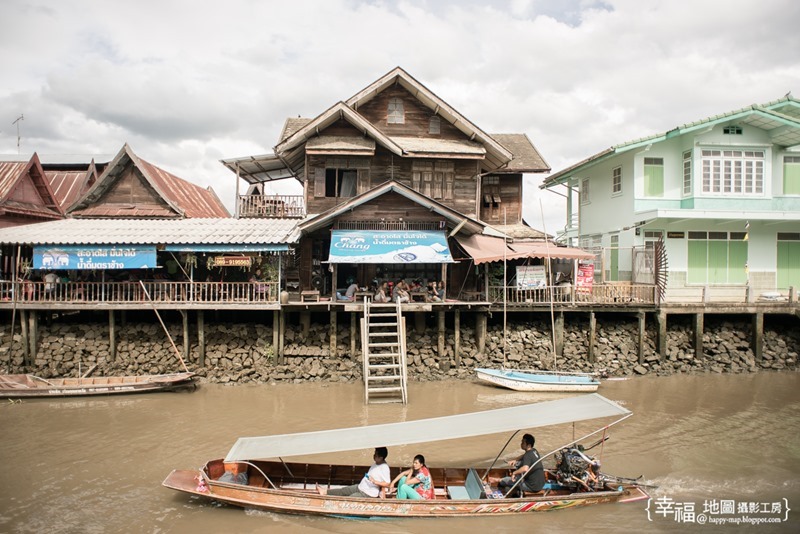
x=20, y=118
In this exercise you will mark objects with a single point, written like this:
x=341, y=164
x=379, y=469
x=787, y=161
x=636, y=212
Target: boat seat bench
x=472, y=488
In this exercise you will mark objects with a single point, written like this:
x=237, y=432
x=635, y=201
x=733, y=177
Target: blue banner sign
x=93, y=257
x=400, y=246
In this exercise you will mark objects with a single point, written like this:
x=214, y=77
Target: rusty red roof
x=69, y=185
x=25, y=191
x=173, y=197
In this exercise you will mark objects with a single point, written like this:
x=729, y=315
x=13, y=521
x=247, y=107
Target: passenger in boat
x=414, y=483
x=382, y=294
x=533, y=481
x=373, y=484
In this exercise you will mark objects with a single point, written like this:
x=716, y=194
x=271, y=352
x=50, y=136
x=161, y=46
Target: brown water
x=96, y=465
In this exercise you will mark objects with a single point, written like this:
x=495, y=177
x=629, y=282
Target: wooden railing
x=615, y=294
x=286, y=206
x=135, y=292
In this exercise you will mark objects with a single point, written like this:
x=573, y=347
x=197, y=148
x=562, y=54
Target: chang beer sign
x=77, y=257
x=401, y=246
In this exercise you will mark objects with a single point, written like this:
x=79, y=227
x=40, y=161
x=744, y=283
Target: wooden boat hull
x=304, y=500
x=19, y=386
x=537, y=382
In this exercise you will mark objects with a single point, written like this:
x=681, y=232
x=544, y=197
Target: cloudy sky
x=187, y=83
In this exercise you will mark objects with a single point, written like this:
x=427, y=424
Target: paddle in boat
x=18, y=386
x=254, y=474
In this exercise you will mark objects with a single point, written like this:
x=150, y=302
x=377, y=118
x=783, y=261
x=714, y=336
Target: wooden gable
x=124, y=192
x=417, y=117
x=26, y=194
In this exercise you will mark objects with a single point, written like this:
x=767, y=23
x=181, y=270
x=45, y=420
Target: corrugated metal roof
x=340, y=144
x=153, y=232
x=424, y=145
x=291, y=126
x=67, y=185
x=196, y=201
x=9, y=174
x=180, y=198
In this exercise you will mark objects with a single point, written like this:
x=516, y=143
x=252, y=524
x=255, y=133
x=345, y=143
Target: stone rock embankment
x=243, y=353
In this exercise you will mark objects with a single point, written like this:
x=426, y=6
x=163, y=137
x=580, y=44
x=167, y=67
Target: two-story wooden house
x=394, y=168
x=723, y=193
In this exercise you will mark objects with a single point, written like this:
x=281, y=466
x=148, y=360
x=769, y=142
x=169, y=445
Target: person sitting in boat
x=414, y=483
x=530, y=460
x=373, y=484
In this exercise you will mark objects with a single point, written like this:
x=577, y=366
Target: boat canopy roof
x=571, y=409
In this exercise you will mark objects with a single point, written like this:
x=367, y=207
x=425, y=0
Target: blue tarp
x=401, y=246
x=65, y=257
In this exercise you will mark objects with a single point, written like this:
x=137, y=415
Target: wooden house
x=25, y=194
x=393, y=158
x=131, y=187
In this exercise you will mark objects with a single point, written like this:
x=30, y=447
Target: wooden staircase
x=383, y=345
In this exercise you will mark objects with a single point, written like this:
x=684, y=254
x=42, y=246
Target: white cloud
x=187, y=83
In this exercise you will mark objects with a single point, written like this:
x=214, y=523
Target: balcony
x=280, y=206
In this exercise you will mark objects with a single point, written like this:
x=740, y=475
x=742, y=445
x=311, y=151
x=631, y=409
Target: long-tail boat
x=254, y=474
x=26, y=385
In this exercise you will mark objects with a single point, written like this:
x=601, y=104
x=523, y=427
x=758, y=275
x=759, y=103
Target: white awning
x=572, y=409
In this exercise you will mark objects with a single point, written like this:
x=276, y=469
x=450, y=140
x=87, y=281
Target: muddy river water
x=708, y=442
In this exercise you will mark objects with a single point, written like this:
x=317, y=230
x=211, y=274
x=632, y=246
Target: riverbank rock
x=243, y=353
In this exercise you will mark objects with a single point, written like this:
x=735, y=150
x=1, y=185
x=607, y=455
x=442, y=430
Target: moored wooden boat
x=26, y=385
x=294, y=492
x=246, y=477
x=538, y=381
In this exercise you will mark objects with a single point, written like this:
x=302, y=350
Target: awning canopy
x=572, y=409
x=92, y=257
x=487, y=249
x=399, y=246
x=268, y=247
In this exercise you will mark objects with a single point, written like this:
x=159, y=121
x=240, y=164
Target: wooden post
x=640, y=316
x=26, y=344
x=441, y=333
x=33, y=332
x=305, y=323
x=112, y=335
x=480, y=331
x=276, y=327
x=592, y=336
x=185, y=317
x=559, y=348
x=758, y=335
x=353, y=322
x=281, y=335
x=334, y=327
x=698, y=335
x=661, y=318
x=201, y=338
x=457, y=338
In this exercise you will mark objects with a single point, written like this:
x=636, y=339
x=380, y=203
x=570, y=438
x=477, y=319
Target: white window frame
x=687, y=173
x=730, y=172
x=584, y=194
x=616, y=181
x=396, y=112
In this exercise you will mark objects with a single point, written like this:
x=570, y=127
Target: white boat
x=538, y=381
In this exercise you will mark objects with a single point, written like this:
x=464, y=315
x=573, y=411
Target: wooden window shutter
x=363, y=180
x=416, y=180
x=319, y=182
